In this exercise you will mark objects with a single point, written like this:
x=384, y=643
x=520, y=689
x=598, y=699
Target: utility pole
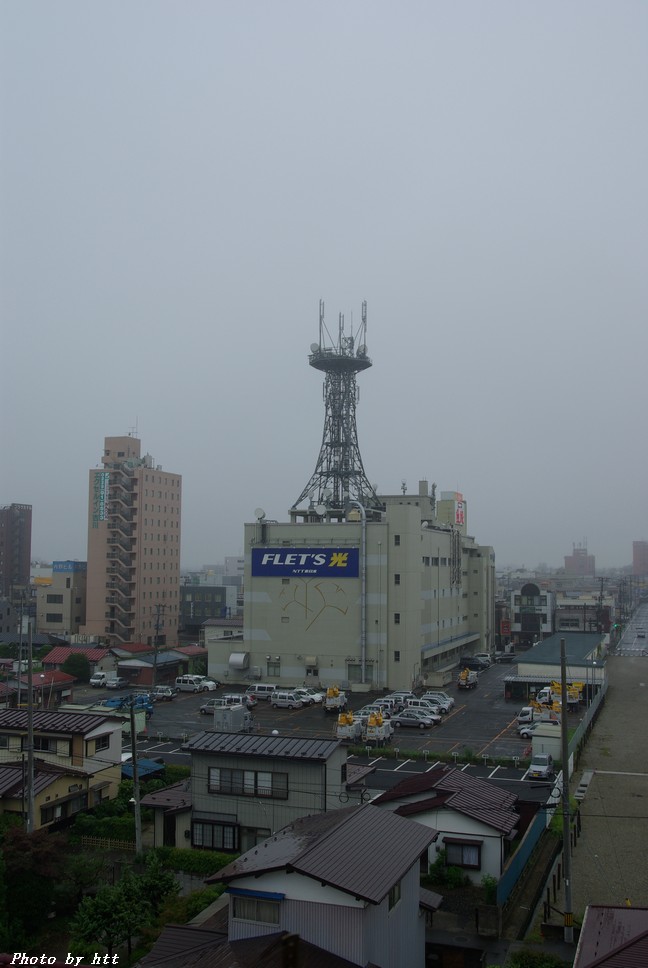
x=30, y=734
x=136, y=787
x=568, y=914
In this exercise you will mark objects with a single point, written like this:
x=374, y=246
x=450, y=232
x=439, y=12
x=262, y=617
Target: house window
x=43, y=744
x=255, y=909
x=248, y=783
x=397, y=579
x=54, y=617
x=394, y=895
x=54, y=599
x=463, y=854
x=214, y=836
x=274, y=667
x=397, y=655
x=396, y=540
x=102, y=743
x=396, y=618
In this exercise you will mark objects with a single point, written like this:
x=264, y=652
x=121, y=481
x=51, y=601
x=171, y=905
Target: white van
x=283, y=699
x=425, y=705
x=192, y=684
x=261, y=690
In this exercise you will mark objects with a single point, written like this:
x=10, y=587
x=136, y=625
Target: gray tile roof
x=54, y=722
x=340, y=848
x=280, y=747
x=186, y=946
x=172, y=799
x=458, y=791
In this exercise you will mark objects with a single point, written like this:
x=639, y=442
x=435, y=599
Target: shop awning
x=239, y=660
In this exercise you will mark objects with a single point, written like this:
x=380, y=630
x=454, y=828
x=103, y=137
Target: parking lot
x=481, y=721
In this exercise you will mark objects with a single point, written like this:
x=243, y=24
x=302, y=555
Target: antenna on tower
x=339, y=475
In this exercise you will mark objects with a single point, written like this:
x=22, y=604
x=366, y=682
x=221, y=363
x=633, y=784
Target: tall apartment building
x=134, y=529
x=640, y=559
x=15, y=549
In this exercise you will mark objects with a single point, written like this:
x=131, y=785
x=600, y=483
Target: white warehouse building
x=364, y=604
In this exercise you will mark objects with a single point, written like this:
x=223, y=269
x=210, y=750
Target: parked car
x=505, y=657
x=163, y=693
x=118, y=682
x=442, y=700
x=400, y=699
x=308, y=696
x=484, y=656
x=240, y=698
x=375, y=709
x=195, y=684
x=286, y=699
x=415, y=717
x=526, y=730
x=542, y=767
x=473, y=663
x=230, y=699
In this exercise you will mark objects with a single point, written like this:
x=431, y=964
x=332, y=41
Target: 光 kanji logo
x=339, y=559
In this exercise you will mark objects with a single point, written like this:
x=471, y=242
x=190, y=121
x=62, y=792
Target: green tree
x=156, y=884
x=33, y=866
x=110, y=918
x=77, y=665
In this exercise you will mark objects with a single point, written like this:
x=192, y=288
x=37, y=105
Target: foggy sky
x=181, y=183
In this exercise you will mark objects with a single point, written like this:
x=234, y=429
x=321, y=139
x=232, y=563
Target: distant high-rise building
x=640, y=558
x=15, y=549
x=579, y=562
x=134, y=528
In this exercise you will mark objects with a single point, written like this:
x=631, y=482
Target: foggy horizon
x=180, y=186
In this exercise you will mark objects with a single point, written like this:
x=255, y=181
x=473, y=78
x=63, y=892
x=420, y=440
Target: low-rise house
x=59, y=792
x=171, y=814
x=88, y=744
x=476, y=821
x=55, y=659
x=245, y=786
x=346, y=881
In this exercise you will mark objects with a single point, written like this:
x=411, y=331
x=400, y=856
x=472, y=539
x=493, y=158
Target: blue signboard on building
x=306, y=562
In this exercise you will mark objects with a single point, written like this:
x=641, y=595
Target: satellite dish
x=259, y=514
x=362, y=349
x=327, y=494
x=314, y=347
x=321, y=510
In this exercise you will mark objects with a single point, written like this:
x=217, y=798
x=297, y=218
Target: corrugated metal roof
x=339, y=849
x=60, y=653
x=244, y=744
x=578, y=648
x=54, y=722
x=467, y=794
x=172, y=798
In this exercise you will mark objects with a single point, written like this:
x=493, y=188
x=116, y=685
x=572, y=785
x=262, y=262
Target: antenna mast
x=339, y=475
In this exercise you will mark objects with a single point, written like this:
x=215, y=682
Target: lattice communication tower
x=339, y=476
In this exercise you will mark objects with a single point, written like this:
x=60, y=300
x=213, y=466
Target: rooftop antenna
x=339, y=476
x=404, y=486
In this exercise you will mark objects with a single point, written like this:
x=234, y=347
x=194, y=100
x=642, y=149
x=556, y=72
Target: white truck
x=335, y=700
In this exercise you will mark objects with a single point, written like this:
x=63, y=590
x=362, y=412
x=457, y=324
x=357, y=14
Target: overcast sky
x=182, y=182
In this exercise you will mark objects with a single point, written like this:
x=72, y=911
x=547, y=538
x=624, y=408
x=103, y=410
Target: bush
x=200, y=862
x=489, y=884
x=535, y=959
x=440, y=875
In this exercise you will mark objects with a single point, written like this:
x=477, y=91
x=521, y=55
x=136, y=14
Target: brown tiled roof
x=173, y=799
x=458, y=791
x=613, y=937
x=192, y=651
x=249, y=744
x=339, y=848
